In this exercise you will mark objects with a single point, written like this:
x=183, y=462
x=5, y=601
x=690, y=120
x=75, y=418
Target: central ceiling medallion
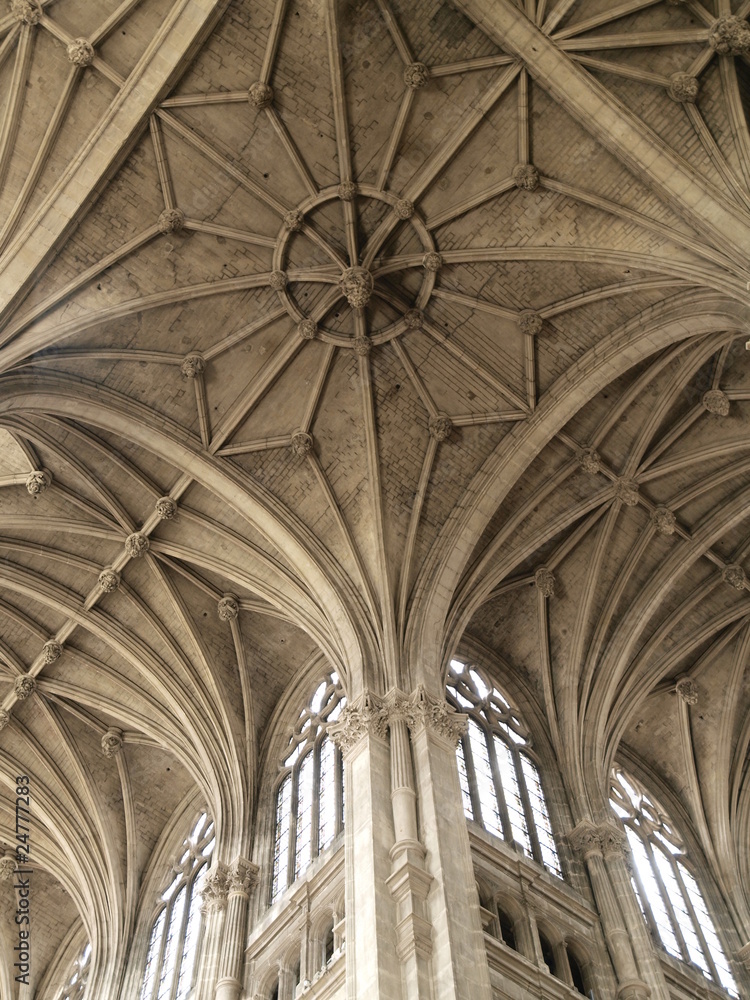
x=357, y=284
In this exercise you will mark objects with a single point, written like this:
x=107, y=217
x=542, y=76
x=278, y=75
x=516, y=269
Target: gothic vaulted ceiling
x=406, y=324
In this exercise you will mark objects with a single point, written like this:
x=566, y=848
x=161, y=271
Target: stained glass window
x=175, y=932
x=310, y=788
x=500, y=783
x=668, y=895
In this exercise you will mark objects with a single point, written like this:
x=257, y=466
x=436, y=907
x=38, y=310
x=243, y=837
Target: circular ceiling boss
x=356, y=284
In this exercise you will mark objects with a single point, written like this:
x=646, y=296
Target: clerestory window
x=500, y=781
x=75, y=985
x=667, y=891
x=175, y=931
x=310, y=788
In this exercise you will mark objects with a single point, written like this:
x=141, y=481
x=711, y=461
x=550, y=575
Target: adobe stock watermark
x=22, y=883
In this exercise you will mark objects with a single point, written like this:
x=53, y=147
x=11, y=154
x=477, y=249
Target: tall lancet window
x=175, y=929
x=667, y=891
x=500, y=780
x=75, y=985
x=310, y=788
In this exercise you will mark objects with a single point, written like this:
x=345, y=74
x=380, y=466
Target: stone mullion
x=489, y=738
x=315, y=804
x=361, y=735
x=667, y=902
x=536, y=847
x=243, y=876
x=471, y=775
x=696, y=924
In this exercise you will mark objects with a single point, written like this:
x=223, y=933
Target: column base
x=634, y=989
x=228, y=989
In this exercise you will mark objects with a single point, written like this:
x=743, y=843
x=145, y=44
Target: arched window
x=667, y=892
x=500, y=782
x=310, y=789
x=75, y=985
x=175, y=931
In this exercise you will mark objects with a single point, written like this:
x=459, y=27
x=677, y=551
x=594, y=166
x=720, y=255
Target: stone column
x=409, y=881
x=361, y=735
x=242, y=877
x=213, y=909
x=459, y=959
x=588, y=840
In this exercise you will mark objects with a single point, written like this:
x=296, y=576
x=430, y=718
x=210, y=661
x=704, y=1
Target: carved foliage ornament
x=544, y=579
x=683, y=88
x=228, y=608
x=37, y=482
x=112, y=742
x=356, y=283
x=260, y=95
x=687, y=689
x=423, y=711
x=307, y=329
x=530, y=322
x=294, y=220
x=302, y=443
x=730, y=35
x=215, y=888
x=362, y=346
x=26, y=11
x=136, y=545
x=590, y=840
x=171, y=220
x=734, y=575
x=242, y=876
x=7, y=867
x=25, y=687
x=432, y=261
x=416, y=75
x=51, y=651
x=440, y=428
x=348, y=190
x=664, y=521
x=414, y=319
x=278, y=280
x=404, y=209
x=365, y=717
x=626, y=490
x=109, y=580
x=81, y=52
x=716, y=401
x=4, y=719
x=589, y=461
x=526, y=177
x=166, y=508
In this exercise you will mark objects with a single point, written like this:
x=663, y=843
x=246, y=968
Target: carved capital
x=4, y=719
x=215, y=889
x=743, y=955
x=585, y=840
x=136, y=545
x=38, y=481
x=365, y=717
x=613, y=841
x=112, y=742
x=425, y=712
x=242, y=877
x=634, y=989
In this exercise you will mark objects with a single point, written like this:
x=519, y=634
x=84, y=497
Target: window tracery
x=500, y=783
x=75, y=985
x=667, y=891
x=175, y=930
x=309, y=809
